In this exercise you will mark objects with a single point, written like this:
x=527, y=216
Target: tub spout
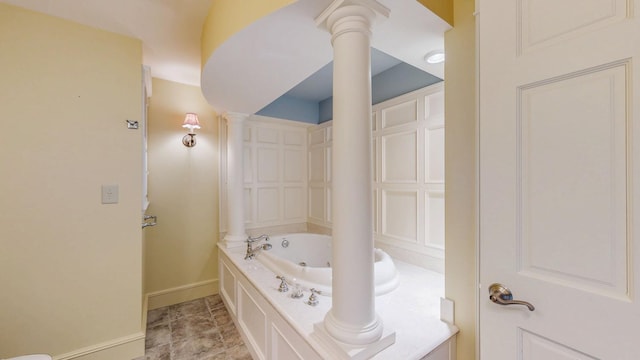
x=251, y=250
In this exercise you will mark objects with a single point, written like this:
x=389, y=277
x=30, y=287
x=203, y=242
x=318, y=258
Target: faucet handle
x=284, y=285
x=313, y=299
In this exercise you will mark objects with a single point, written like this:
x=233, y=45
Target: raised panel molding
x=404, y=227
x=374, y=163
x=253, y=319
x=400, y=114
x=281, y=348
x=293, y=162
x=278, y=161
x=248, y=205
x=319, y=174
x=267, y=135
x=591, y=136
x=407, y=167
x=434, y=219
x=434, y=110
x=275, y=161
x=434, y=143
x=544, y=22
x=376, y=210
x=400, y=157
x=316, y=157
x=328, y=205
x=534, y=347
x=317, y=204
x=268, y=165
x=248, y=164
x=327, y=164
x=294, y=138
x=228, y=286
x=268, y=204
x=293, y=207
x=267, y=334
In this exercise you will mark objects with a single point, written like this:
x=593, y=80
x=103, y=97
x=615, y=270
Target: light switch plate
x=109, y=194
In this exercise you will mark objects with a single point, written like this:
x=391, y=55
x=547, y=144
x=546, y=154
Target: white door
x=560, y=178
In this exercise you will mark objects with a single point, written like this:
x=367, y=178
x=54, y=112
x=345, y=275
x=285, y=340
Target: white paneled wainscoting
x=287, y=176
x=275, y=175
x=408, y=176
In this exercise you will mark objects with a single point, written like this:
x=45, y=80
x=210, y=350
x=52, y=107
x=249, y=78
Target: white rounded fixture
x=434, y=57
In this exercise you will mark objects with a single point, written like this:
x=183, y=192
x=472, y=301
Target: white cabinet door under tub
x=265, y=331
x=267, y=335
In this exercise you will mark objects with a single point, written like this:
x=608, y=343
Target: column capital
x=338, y=9
x=234, y=117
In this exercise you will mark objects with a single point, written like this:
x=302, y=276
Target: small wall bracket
x=132, y=124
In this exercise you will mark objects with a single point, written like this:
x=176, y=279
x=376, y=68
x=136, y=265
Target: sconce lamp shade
x=191, y=122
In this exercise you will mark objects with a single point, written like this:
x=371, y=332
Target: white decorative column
x=352, y=319
x=236, y=234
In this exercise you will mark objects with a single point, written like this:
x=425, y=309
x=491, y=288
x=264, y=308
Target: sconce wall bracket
x=189, y=140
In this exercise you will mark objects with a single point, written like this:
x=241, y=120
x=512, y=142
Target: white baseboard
x=128, y=347
x=132, y=346
x=182, y=293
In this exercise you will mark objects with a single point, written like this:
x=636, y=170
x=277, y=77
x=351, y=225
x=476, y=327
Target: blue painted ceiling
x=311, y=100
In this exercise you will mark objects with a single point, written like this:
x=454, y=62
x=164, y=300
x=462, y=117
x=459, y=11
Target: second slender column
x=236, y=234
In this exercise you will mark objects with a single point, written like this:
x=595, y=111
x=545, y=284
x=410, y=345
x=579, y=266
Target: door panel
x=558, y=169
x=572, y=185
x=534, y=347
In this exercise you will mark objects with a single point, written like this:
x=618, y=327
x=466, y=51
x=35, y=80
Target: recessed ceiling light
x=434, y=57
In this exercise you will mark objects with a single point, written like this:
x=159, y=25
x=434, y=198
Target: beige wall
x=181, y=253
x=70, y=267
x=460, y=175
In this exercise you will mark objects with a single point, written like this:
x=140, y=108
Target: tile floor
x=200, y=329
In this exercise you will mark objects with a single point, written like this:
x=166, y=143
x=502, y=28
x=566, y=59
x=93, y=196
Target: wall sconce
x=190, y=122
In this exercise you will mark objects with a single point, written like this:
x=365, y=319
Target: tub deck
x=412, y=310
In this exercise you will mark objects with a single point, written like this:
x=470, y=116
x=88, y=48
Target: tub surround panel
x=320, y=175
x=409, y=310
x=274, y=173
x=228, y=287
x=408, y=173
x=265, y=332
x=253, y=320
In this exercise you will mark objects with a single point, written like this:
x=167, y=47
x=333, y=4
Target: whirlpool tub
x=305, y=259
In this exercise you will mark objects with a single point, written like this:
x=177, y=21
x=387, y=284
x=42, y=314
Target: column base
x=234, y=241
x=341, y=351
